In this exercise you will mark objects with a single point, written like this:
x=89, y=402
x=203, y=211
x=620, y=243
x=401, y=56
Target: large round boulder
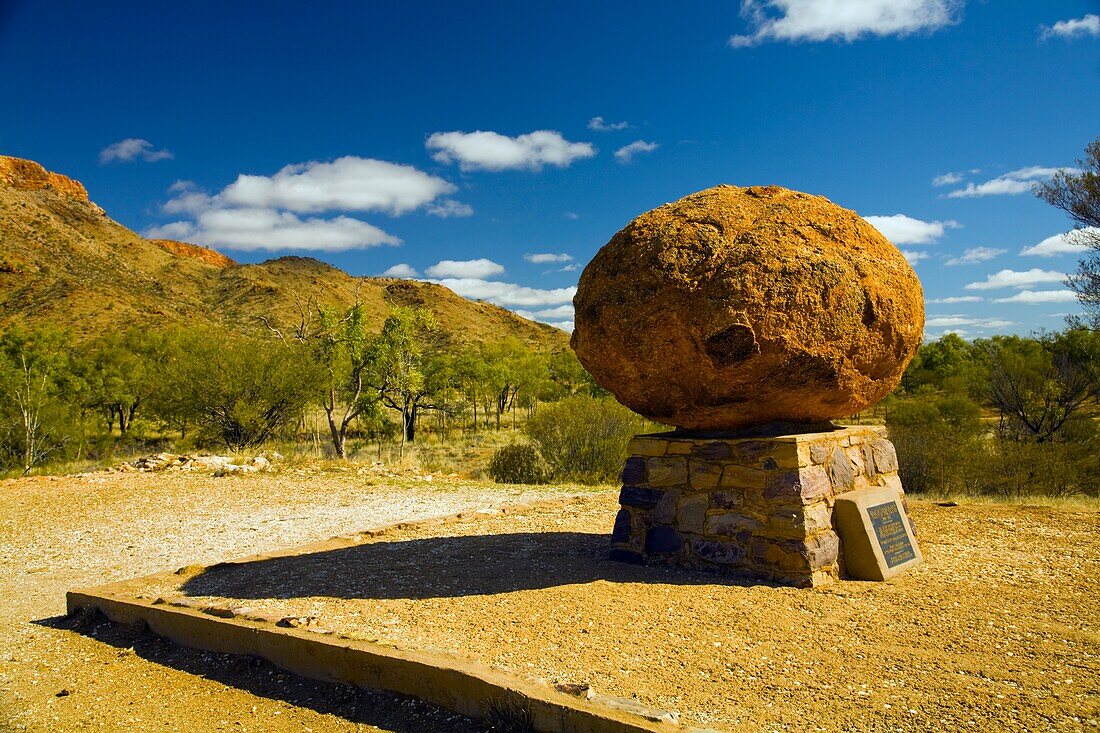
x=737, y=307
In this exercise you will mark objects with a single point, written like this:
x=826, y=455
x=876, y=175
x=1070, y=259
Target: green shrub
x=584, y=439
x=238, y=391
x=944, y=447
x=518, y=464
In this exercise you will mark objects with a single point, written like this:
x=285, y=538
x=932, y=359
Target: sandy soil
x=67, y=532
x=996, y=631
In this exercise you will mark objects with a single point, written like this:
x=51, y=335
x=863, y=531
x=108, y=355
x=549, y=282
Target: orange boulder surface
x=738, y=307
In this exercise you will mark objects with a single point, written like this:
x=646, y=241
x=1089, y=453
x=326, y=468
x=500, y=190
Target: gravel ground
x=59, y=533
x=996, y=631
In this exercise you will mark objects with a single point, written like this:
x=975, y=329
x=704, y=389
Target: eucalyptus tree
x=1077, y=193
x=403, y=368
x=341, y=347
x=34, y=392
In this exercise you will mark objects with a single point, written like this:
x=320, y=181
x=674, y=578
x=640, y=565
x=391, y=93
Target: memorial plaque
x=875, y=534
x=891, y=534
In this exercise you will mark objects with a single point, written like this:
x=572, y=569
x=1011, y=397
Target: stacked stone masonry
x=759, y=507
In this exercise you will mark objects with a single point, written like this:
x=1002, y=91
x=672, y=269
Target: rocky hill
x=63, y=261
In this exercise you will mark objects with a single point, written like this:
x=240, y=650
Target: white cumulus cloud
x=1009, y=184
x=265, y=229
x=974, y=255
x=480, y=269
x=947, y=179
x=131, y=149
x=542, y=258
x=1061, y=244
x=848, y=20
x=401, y=269
x=345, y=184
x=262, y=212
x=960, y=332
x=508, y=294
x=1038, y=297
x=448, y=208
x=178, y=230
x=599, y=125
x=188, y=199
x=913, y=256
x=491, y=151
x=902, y=229
x=548, y=315
x=1089, y=25
x=1017, y=279
x=958, y=299
x=626, y=153
x=961, y=320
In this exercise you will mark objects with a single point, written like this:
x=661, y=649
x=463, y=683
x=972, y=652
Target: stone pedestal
x=760, y=507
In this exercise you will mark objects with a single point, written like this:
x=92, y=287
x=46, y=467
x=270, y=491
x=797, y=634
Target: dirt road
x=1000, y=624
x=59, y=533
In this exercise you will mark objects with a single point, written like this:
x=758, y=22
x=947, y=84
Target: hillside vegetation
x=64, y=262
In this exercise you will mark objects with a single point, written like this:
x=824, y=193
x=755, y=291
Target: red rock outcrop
x=735, y=307
x=195, y=251
x=30, y=176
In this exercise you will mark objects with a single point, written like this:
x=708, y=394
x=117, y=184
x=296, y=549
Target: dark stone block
x=840, y=471
x=714, y=451
x=621, y=534
x=770, y=464
x=726, y=499
x=786, y=555
x=634, y=471
x=749, y=452
x=663, y=540
x=723, y=553
x=620, y=555
x=782, y=485
x=639, y=497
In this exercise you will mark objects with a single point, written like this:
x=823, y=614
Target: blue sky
x=347, y=131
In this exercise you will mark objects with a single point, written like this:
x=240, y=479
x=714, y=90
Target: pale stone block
x=742, y=477
x=885, y=457
x=804, y=486
x=801, y=522
x=679, y=448
x=893, y=481
x=669, y=471
x=691, y=513
x=647, y=447
x=787, y=455
x=819, y=452
x=704, y=475
x=855, y=455
x=868, y=458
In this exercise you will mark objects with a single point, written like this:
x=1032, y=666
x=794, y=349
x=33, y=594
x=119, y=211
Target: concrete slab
x=450, y=682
